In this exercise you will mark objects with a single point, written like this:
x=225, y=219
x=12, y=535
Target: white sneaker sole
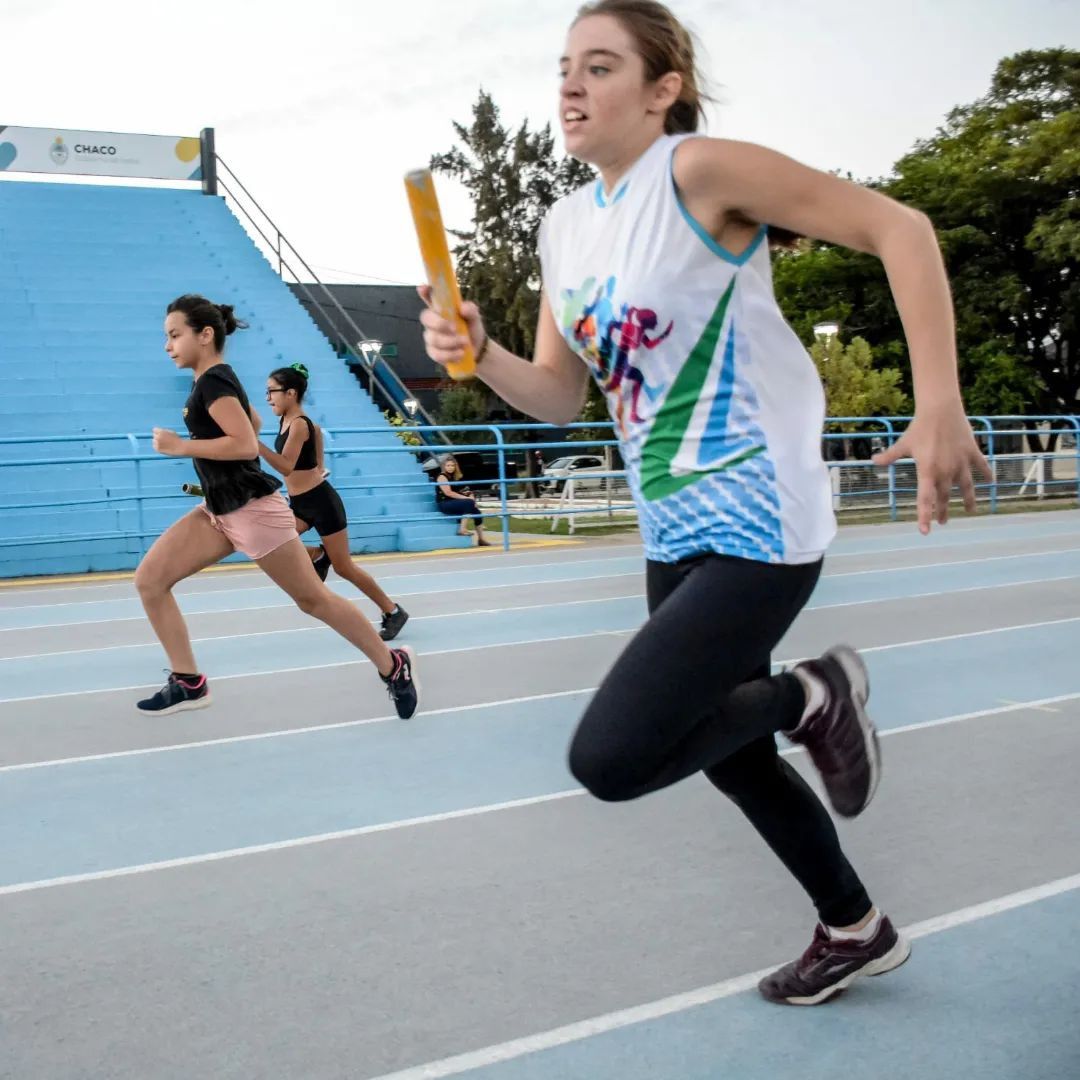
x=896, y=956
x=180, y=706
x=859, y=678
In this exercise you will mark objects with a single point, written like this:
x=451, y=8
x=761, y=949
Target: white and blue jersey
x=717, y=406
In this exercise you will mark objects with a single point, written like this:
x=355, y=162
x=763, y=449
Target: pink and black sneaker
x=179, y=694
x=402, y=684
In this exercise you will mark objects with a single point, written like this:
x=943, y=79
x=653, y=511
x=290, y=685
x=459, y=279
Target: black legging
x=462, y=508
x=692, y=692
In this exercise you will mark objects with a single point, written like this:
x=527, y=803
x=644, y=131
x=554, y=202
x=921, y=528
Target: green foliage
x=512, y=177
x=395, y=420
x=463, y=404
x=594, y=411
x=853, y=385
x=1001, y=182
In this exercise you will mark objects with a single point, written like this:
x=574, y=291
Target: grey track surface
x=357, y=956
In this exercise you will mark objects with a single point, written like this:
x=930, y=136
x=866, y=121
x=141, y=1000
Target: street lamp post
x=370, y=350
x=828, y=331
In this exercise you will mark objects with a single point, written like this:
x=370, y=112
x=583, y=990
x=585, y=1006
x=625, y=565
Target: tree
x=512, y=178
x=1001, y=182
x=818, y=283
x=463, y=404
x=594, y=411
x=853, y=386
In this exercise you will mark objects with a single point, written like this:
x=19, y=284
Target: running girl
x=657, y=276
x=315, y=504
x=243, y=512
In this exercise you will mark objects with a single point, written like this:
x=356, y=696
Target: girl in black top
x=298, y=456
x=243, y=512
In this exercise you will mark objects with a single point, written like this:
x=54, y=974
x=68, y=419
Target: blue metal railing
x=857, y=483
x=990, y=429
x=140, y=496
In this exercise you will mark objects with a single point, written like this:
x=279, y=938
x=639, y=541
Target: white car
x=586, y=469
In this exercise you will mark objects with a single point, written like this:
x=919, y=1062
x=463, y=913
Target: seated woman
x=458, y=501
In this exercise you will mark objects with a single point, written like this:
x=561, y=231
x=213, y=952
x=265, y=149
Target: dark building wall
x=391, y=314
x=387, y=313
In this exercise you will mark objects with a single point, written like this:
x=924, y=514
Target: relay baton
x=445, y=295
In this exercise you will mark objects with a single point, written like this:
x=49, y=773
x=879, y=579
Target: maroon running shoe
x=829, y=965
x=840, y=737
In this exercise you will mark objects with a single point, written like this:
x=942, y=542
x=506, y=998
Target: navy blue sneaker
x=322, y=565
x=177, y=695
x=392, y=622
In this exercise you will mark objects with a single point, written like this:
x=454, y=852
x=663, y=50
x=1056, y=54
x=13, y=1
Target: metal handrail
x=378, y=368
x=489, y=438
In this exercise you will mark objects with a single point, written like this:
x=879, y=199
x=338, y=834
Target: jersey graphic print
x=606, y=342
x=694, y=432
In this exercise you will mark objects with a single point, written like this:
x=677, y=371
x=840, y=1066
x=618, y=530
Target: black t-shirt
x=227, y=485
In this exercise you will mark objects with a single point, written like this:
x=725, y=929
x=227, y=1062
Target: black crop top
x=307, y=458
x=227, y=485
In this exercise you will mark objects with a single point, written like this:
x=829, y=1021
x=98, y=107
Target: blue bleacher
x=85, y=275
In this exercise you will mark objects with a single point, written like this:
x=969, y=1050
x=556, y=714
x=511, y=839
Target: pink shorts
x=259, y=527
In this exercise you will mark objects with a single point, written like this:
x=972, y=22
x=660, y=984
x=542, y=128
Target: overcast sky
x=321, y=105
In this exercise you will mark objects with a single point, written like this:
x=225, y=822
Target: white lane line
x=221, y=580
x=917, y=546
x=705, y=995
x=831, y=557
x=1035, y=705
x=971, y=634
x=942, y=592
x=361, y=659
x=525, y=607
x=278, y=845
x=954, y=562
x=258, y=736
x=322, y=626
x=271, y=588
x=347, y=594
x=1041, y=708
x=495, y=645
x=388, y=826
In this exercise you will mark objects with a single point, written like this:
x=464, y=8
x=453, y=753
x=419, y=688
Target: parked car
x=587, y=471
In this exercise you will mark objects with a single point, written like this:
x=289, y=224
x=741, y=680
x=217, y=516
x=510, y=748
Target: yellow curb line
x=517, y=540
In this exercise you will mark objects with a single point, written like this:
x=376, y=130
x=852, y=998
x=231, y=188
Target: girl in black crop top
x=243, y=512
x=298, y=456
